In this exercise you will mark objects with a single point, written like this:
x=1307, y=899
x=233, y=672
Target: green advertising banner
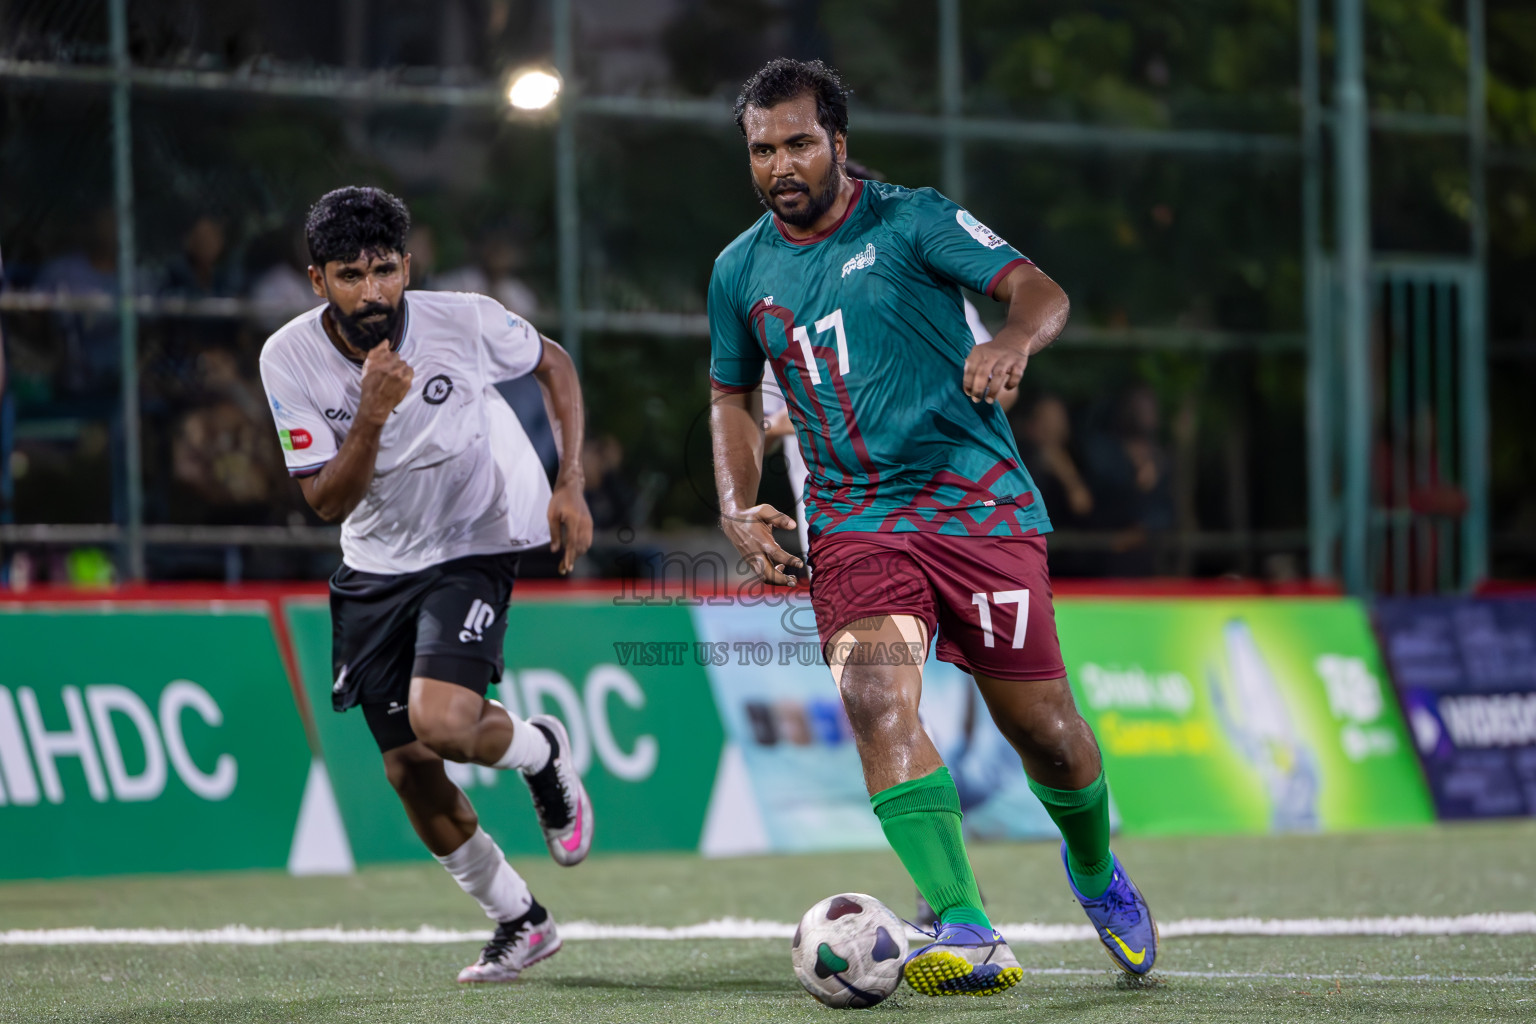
x=135, y=738
x=1253, y=715
x=145, y=737
x=624, y=680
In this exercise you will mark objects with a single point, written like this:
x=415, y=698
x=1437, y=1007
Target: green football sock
x=921, y=819
x=1083, y=817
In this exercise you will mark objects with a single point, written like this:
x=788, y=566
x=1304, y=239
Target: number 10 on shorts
x=984, y=612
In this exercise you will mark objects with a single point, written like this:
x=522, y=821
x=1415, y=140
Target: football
x=848, y=950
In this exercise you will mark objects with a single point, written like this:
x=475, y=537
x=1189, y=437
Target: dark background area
x=1200, y=252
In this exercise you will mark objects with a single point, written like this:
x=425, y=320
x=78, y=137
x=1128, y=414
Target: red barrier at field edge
x=545, y=589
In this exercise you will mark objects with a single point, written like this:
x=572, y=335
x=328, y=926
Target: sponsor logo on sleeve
x=979, y=231
x=295, y=440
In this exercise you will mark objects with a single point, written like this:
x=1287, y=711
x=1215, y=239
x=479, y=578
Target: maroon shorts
x=986, y=599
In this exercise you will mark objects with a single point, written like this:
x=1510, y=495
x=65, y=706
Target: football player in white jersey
x=387, y=414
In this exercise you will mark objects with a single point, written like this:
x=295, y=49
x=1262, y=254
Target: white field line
x=741, y=928
x=1286, y=975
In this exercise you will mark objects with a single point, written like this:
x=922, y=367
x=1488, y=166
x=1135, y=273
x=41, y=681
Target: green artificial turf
x=1441, y=871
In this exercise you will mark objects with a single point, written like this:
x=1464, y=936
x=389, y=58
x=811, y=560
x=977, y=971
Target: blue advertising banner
x=790, y=778
x=1465, y=670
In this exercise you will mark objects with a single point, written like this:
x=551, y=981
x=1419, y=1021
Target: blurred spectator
x=213, y=458
x=1423, y=493
x=92, y=357
x=1045, y=438
x=499, y=259
x=609, y=495
x=223, y=465
x=204, y=268
x=282, y=286
x=218, y=379
x=421, y=247
x=87, y=378
x=1127, y=473
x=7, y=427
x=618, y=510
x=1044, y=441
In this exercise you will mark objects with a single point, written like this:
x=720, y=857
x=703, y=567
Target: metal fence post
x=1352, y=216
x=1320, y=364
x=567, y=210
x=127, y=317
x=1475, y=427
x=951, y=105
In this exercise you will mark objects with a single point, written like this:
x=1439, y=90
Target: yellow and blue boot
x=1122, y=918
x=963, y=960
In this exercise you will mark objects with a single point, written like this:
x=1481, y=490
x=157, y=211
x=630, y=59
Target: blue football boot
x=1123, y=919
x=963, y=960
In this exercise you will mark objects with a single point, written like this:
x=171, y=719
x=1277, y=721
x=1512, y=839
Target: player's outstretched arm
x=736, y=428
x=338, y=488
x=570, y=521
x=1037, y=311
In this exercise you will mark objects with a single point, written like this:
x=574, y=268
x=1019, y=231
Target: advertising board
x=135, y=738
x=644, y=731
x=1251, y=715
x=1465, y=671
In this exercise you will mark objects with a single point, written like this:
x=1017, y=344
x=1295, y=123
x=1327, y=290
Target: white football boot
x=517, y=944
x=564, y=809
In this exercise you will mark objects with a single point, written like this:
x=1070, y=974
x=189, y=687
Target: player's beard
x=819, y=199
x=366, y=335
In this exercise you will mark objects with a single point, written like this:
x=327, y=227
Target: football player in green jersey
x=923, y=521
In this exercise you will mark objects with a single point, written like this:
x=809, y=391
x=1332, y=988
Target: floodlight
x=533, y=89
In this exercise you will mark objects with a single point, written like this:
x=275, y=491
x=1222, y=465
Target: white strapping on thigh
x=912, y=632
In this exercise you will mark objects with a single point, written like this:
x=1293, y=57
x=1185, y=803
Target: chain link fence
x=1149, y=157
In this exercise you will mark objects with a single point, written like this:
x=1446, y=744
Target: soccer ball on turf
x=848, y=950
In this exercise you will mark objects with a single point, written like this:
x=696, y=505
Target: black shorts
x=445, y=622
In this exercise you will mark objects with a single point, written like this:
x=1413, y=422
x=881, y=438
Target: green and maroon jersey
x=865, y=329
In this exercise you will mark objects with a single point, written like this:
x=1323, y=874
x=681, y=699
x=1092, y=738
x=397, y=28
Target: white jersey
x=773, y=402
x=456, y=475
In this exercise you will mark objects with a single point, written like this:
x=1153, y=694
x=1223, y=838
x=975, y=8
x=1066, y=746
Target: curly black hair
x=785, y=78
x=348, y=222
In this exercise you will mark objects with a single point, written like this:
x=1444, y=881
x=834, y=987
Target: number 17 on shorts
x=983, y=603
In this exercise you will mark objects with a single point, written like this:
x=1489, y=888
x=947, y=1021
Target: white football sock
x=529, y=750
x=482, y=871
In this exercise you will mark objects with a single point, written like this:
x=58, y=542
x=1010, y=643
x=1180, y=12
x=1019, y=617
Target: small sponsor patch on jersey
x=862, y=260
x=437, y=390
x=979, y=231
x=295, y=440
